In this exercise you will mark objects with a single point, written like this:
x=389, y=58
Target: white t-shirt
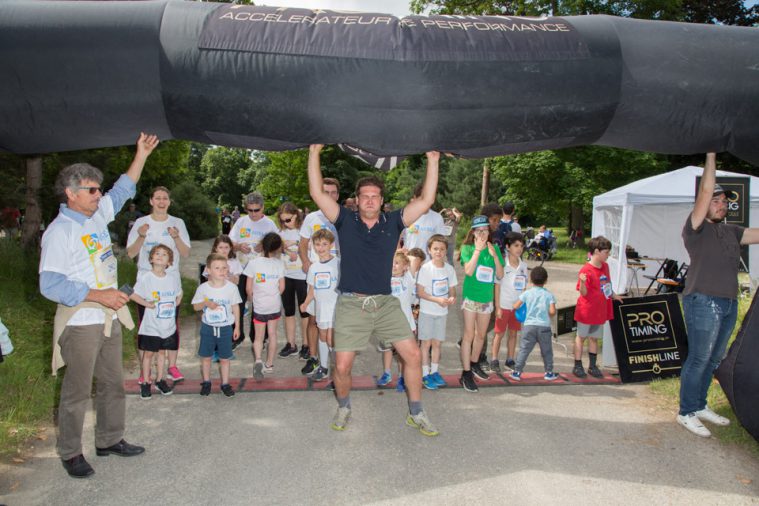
x=291, y=239
x=247, y=231
x=158, y=233
x=235, y=269
x=225, y=297
x=324, y=278
x=402, y=289
x=417, y=235
x=164, y=291
x=436, y=281
x=266, y=273
x=313, y=222
x=512, y=284
x=82, y=253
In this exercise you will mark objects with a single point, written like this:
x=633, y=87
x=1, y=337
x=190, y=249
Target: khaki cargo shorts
x=358, y=318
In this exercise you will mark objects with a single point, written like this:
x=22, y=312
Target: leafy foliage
x=729, y=12
x=197, y=211
x=221, y=172
x=544, y=185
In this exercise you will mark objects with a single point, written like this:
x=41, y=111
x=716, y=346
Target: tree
x=30, y=233
x=549, y=185
x=221, y=171
x=461, y=183
x=285, y=178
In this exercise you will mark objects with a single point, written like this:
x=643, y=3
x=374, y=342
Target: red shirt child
x=595, y=307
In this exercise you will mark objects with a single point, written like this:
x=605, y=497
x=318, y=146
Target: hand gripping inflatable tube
x=81, y=75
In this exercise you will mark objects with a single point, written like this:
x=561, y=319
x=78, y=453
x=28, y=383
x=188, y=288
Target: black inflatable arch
x=738, y=375
x=90, y=74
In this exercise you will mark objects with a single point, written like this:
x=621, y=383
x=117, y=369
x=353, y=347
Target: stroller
x=542, y=247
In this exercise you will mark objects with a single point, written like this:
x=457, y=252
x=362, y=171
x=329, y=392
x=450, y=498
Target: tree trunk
x=485, y=182
x=576, y=221
x=30, y=232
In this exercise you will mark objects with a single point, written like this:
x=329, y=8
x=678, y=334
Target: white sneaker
x=693, y=424
x=710, y=416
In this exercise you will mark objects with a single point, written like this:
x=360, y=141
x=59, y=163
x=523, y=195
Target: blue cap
x=480, y=221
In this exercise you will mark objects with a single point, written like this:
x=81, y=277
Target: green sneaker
x=422, y=423
x=340, y=421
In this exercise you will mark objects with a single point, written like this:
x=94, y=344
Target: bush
x=197, y=211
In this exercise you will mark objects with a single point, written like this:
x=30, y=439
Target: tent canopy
x=649, y=215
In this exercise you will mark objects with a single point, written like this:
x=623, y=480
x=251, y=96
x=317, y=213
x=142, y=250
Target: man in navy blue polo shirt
x=365, y=306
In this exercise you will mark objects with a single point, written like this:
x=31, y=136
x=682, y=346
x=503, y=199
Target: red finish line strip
x=302, y=383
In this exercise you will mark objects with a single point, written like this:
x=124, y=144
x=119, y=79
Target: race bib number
x=447, y=230
x=520, y=282
x=104, y=263
x=440, y=287
x=322, y=280
x=165, y=310
x=484, y=274
x=218, y=315
x=396, y=286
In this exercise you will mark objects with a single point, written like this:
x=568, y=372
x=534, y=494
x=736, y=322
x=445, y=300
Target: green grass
x=564, y=253
x=668, y=391
x=30, y=392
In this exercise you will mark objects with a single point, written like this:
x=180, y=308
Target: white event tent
x=649, y=215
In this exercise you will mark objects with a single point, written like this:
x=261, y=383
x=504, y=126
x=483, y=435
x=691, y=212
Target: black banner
x=293, y=31
x=738, y=204
x=565, y=320
x=649, y=335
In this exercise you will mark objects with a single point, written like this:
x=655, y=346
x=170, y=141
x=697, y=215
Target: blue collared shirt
x=57, y=287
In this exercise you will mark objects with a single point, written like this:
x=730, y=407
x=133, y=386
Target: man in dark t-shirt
x=365, y=306
x=710, y=296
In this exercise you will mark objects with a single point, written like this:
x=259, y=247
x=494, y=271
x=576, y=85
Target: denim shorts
x=217, y=339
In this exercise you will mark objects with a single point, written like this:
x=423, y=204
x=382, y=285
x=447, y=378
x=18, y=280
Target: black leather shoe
x=122, y=449
x=77, y=467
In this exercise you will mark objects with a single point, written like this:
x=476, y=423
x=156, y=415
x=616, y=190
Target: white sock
x=323, y=354
x=434, y=368
x=425, y=370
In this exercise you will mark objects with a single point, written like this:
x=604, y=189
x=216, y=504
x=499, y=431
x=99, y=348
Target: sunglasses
x=92, y=189
x=253, y=210
x=288, y=220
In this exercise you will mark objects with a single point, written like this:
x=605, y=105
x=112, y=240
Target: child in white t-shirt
x=160, y=294
x=436, y=286
x=402, y=288
x=223, y=246
x=507, y=292
x=323, y=276
x=266, y=282
x=219, y=300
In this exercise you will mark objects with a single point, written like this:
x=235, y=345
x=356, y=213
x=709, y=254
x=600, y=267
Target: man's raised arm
x=145, y=145
x=418, y=207
x=705, y=191
x=329, y=207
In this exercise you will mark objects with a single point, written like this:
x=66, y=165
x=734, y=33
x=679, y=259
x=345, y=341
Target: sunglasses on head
x=254, y=210
x=92, y=189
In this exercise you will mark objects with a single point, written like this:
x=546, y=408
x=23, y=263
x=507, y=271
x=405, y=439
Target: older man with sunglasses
x=246, y=236
x=78, y=271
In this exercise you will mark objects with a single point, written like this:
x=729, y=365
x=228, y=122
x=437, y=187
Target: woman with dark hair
x=290, y=220
x=159, y=227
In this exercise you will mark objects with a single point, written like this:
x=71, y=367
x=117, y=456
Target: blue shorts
x=217, y=339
